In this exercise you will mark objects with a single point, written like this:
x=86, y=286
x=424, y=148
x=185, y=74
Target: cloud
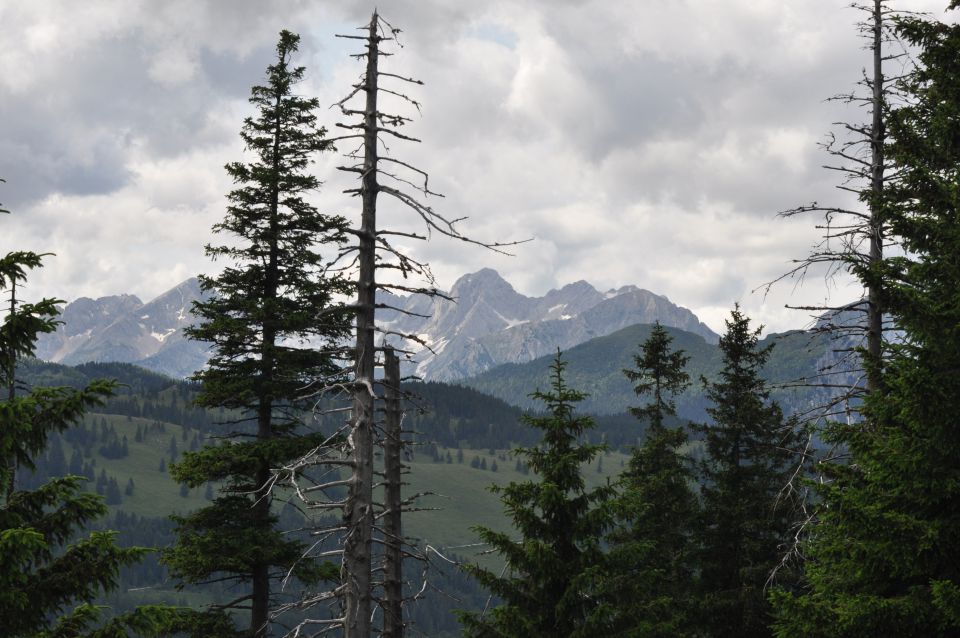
x=636, y=143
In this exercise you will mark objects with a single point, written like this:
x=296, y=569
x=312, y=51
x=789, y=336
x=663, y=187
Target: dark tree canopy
x=650, y=575
x=50, y=573
x=659, y=373
x=882, y=556
x=747, y=518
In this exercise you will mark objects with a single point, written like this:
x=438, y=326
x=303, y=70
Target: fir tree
x=883, y=552
x=273, y=298
x=650, y=578
x=560, y=523
x=750, y=458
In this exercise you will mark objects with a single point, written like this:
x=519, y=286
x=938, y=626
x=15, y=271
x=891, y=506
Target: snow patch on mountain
x=162, y=336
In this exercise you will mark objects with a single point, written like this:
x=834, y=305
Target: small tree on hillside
x=747, y=515
x=275, y=328
x=551, y=567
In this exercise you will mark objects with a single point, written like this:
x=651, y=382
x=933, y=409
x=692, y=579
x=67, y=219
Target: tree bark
x=260, y=602
x=877, y=138
x=393, y=533
x=359, y=512
x=11, y=486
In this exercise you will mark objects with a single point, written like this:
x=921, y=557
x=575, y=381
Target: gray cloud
x=648, y=143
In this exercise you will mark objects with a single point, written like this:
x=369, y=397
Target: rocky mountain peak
x=490, y=323
x=485, y=282
x=123, y=328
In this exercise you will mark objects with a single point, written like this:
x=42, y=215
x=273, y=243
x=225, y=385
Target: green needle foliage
x=884, y=553
x=48, y=573
x=751, y=456
x=275, y=329
x=659, y=373
x=553, y=566
x=649, y=584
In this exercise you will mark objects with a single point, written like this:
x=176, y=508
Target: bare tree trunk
x=853, y=240
x=355, y=590
x=393, y=534
x=877, y=138
x=359, y=514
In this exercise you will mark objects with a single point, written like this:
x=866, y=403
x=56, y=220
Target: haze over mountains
x=488, y=324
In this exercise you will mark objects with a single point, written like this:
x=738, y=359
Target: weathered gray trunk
x=393, y=534
x=877, y=138
x=359, y=511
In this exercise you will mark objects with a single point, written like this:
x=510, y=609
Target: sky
x=642, y=142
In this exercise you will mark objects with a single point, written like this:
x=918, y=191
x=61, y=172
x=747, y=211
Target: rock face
x=122, y=328
x=489, y=323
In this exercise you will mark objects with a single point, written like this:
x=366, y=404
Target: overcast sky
x=642, y=142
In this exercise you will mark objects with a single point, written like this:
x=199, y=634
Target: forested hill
x=436, y=413
x=597, y=367
x=123, y=448
x=141, y=393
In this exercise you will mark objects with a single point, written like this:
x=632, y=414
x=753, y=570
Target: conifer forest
x=318, y=436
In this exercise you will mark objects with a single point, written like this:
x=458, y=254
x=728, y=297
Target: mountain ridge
x=596, y=366
x=488, y=323
x=482, y=322
x=123, y=329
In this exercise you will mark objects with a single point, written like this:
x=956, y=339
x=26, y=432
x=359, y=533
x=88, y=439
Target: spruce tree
x=275, y=329
x=551, y=566
x=883, y=552
x=649, y=583
x=51, y=571
x=750, y=458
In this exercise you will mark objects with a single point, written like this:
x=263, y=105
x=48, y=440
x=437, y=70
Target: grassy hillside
x=463, y=498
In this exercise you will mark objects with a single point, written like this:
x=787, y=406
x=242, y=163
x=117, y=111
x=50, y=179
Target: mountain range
x=482, y=323
x=122, y=328
x=487, y=323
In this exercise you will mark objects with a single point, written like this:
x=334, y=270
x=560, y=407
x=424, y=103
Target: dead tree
x=352, y=447
x=11, y=365
x=854, y=240
x=392, y=500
